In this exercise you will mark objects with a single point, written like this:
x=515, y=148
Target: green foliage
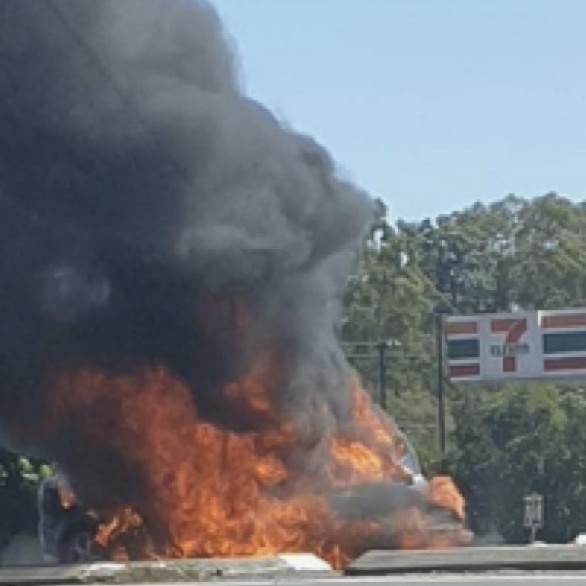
x=503, y=442
x=518, y=440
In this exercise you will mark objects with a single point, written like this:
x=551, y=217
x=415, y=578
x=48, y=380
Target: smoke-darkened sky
x=136, y=182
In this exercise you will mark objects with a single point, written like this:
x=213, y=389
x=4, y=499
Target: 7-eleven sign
x=494, y=347
x=546, y=344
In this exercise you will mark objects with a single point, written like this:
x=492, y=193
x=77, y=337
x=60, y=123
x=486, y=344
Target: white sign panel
x=517, y=346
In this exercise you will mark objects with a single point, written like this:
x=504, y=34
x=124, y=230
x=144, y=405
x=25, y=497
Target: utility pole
x=441, y=414
x=379, y=351
x=382, y=373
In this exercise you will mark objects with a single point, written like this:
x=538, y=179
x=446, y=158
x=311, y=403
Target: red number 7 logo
x=514, y=330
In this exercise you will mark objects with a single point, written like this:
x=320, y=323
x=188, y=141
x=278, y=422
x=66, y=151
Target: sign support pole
x=382, y=375
x=441, y=382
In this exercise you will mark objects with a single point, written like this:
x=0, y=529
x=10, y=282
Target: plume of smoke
x=136, y=181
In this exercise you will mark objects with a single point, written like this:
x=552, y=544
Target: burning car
x=173, y=258
x=68, y=531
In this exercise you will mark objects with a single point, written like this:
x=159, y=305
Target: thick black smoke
x=137, y=184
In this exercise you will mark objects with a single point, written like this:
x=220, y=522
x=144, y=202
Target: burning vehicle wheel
x=77, y=546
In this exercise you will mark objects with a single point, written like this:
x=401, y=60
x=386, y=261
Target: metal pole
x=441, y=382
x=382, y=375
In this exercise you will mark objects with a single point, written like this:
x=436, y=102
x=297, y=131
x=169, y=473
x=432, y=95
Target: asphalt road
x=567, y=579
x=506, y=566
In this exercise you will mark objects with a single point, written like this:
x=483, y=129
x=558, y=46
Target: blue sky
x=431, y=104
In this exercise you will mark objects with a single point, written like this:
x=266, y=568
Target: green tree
x=504, y=442
x=518, y=440
x=390, y=298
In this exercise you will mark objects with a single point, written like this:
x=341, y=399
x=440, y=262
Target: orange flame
x=66, y=496
x=214, y=492
x=443, y=492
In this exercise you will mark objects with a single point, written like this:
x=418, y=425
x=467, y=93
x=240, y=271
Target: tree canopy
x=503, y=442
